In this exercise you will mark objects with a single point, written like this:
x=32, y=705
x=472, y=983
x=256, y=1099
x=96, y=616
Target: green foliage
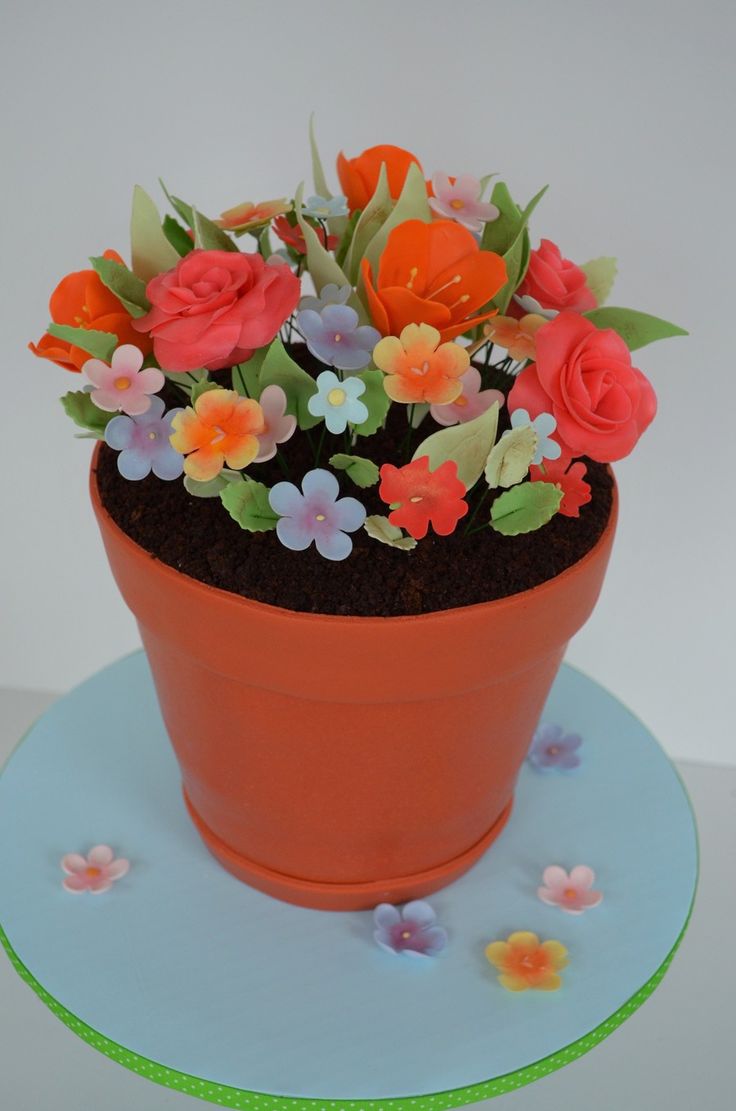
x=322, y=265
x=204, y=385
x=278, y=368
x=246, y=376
x=380, y=528
x=601, y=274
x=81, y=408
x=129, y=289
x=208, y=236
x=525, y=508
x=375, y=399
x=469, y=445
x=411, y=205
x=181, y=207
x=363, y=472
x=372, y=219
x=511, y=457
x=508, y=236
x=247, y=503
x=214, y=487
x=151, y=251
x=636, y=329
x=177, y=236
x=100, y=345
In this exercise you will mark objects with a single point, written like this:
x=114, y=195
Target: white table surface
x=675, y=1053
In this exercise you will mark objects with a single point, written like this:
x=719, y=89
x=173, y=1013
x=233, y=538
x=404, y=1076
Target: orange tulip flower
x=359, y=176
x=80, y=300
x=221, y=430
x=432, y=274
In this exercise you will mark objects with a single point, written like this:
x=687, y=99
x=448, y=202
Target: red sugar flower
x=575, y=492
x=423, y=497
x=294, y=236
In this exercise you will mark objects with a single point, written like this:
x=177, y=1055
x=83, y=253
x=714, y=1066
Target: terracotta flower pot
x=338, y=762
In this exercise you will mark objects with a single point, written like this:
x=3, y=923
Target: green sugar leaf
x=636, y=329
x=411, y=205
x=376, y=399
x=380, y=528
x=129, y=289
x=100, y=345
x=204, y=385
x=177, y=236
x=601, y=274
x=151, y=251
x=209, y=237
x=373, y=217
x=279, y=369
x=180, y=207
x=81, y=408
x=322, y=265
x=469, y=445
x=247, y=503
x=525, y=508
x=214, y=487
x=363, y=472
x=511, y=457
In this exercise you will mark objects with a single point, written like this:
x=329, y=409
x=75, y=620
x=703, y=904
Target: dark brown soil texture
x=198, y=537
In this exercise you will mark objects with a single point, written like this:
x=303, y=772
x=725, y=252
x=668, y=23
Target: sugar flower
x=96, y=872
x=412, y=931
x=552, y=748
x=335, y=336
x=575, y=491
x=338, y=402
x=419, y=368
x=571, y=892
x=531, y=306
x=316, y=513
x=524, y=962
x=556, y=282
x=221, y=430
x=544, y=425
x=460, y=200
x=421, y=497
x=278, y=425
x=516, y=336
x=330, y=294
x=143, y=443
x=470, y=404
x=324, y=208
x=293, y=236
x=123, y=386
x=246, y=216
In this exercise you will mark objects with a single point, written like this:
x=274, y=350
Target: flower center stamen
x=453, y=281
x=151, y=435
x=569, y=892
x=457, y=204
x=122, y=383
x=412, y=275
x=338, y=337
x=92, y=872
x=337, y=396
x=406, y=934
x=320, y=517
x=415, y=499
x=421, y=370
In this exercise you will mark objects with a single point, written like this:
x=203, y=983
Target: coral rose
x=584, y=377
x=432, y=274
x=215, y=307
x=80, y=300
x=359, y=176
x=555, y=282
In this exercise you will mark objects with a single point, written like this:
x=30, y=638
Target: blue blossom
x=553, y=748
x=543, y=425
x=330, y=294
x=338, y=402
x=324, y=208
x=143, y=443
x=335, y=337
x=412, y=931
x=316, y=514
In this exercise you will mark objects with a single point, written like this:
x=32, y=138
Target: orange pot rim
x=244, y=603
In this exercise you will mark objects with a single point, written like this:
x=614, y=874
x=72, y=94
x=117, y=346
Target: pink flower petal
x=100, y=886
x=96, y=371
x=134, y=403
x=151, y=379
x=101, y=855
x=75, y=884
x=73, y=863
x=555, y=877
x=118, y=868
x=127, y=359
x=582, y=876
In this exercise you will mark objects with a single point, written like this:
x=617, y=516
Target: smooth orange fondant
x=319, y=772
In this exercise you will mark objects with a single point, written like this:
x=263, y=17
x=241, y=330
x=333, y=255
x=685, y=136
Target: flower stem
x=468, y=531
x=283, y=464
x=319, y=445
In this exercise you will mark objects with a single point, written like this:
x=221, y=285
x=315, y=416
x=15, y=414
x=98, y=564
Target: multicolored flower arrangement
x=401, y=298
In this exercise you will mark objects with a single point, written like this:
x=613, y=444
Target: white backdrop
x=625, y=108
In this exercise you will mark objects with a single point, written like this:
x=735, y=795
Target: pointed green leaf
x=468, y=444
x=346, y=239
x=177, y=236
x=278, y=368
x=376, y=399
x=81, y=408
x=100, y=345
x=318, y=173
x=321, y=264
x=380, y=528
x=372, y=219
x=499, y=234
x=417, y=412
x=129, y=289
x=186, y=380
x=247, y=503
x=363, y=472
x=601, y=274
x=246, y=376
x=525, y=508
x=151, y=251
x=636, y=329
x=516, y=255
x=204, y=385
x=411, y=205
x=511, y=457
x=181, y=207
x=214, y=487
x=209, y=237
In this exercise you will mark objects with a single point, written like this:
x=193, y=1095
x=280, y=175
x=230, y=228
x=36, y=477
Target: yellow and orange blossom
x=220, y=430
x=244, y=217
x=524, y=962
x=420, y=368
x=516, y=336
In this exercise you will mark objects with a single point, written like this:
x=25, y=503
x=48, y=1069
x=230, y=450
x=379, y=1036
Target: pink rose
x=555, y=282
x=215, y=308
x=584, y=377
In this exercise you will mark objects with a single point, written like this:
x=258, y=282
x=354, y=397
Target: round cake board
x=198, y=982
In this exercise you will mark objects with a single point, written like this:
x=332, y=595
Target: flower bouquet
x=389, y=372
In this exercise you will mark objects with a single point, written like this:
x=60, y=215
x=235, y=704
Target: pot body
x=339, y=762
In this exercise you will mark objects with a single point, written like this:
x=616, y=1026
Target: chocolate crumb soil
x=198, y=537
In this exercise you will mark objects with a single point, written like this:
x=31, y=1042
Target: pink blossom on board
x=96, y=872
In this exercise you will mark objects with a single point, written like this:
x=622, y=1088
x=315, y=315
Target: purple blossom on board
x=552, y=748
x=316, y=514
x=335, y=337
x=143, y=443
x=412, y=931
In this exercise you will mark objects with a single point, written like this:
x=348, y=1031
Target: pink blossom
x=94, y=873
x=279, y=425
x=470, y=404
x=123, y=386
x=460, y=201
x=571, y=892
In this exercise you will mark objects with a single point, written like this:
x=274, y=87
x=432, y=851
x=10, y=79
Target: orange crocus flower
x=80, y=300
x=359, y=176
x=222, y=429
x=524, y=962
x=432, y=274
